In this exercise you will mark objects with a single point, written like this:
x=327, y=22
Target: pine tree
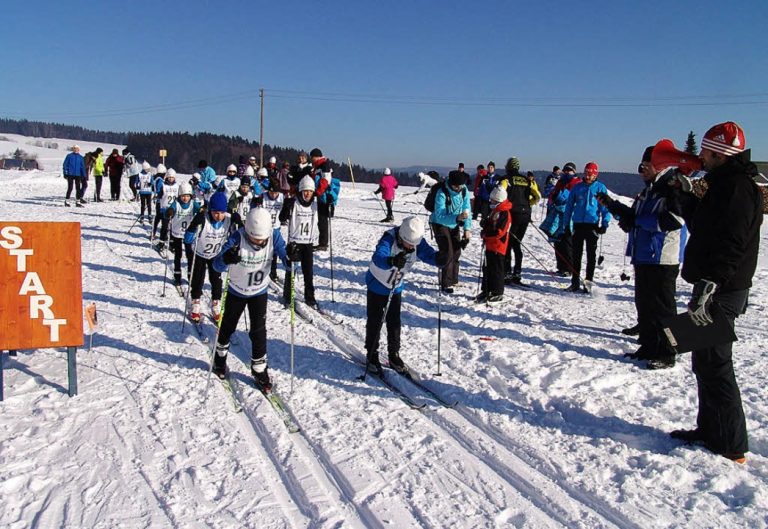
x=690, y=144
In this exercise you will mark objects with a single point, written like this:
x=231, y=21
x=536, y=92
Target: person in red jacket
x=496, y=239
x=114, y=166
x=387, y=186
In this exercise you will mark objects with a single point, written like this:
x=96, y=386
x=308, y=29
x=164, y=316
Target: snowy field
x=554, y=428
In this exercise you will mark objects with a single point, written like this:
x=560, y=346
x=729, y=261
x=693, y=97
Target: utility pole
x=261, y=129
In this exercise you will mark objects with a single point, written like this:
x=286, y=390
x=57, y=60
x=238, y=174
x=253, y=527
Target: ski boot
x=220, y=361
x=194, y=315
x=481, y=297
x=67, y=204
x=396, y=363
x=177, y=279
x=495, y=298
x=216, y=310
x=260, y=374
x=374, y=365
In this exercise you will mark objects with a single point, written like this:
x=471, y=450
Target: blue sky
x=398, y=83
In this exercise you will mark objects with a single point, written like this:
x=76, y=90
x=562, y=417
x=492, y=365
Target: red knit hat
x=725, y=138
x=590, y=169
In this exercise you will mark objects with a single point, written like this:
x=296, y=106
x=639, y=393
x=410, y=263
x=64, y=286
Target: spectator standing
x=115, y=164
x=74, y=171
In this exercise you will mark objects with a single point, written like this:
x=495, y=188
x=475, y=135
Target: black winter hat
x=570, y=166
x=647, y=154
x=315, y=152
x=456, y=178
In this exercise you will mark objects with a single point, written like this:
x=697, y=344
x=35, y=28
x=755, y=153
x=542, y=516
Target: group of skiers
x=78, y=170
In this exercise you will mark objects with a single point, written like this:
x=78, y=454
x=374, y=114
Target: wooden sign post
x=41, y=302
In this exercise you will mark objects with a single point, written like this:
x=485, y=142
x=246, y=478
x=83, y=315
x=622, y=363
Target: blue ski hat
x=218, y=202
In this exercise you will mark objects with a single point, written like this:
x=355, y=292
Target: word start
x=39, y=302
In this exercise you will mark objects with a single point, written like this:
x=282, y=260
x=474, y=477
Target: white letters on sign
x=40, y=303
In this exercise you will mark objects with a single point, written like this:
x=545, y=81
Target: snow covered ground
x=554, y=427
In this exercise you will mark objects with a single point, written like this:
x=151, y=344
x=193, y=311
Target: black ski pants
x=257, y=312
x=655, y=301
x=98, y=180
x=564, y=253
x=375, y=319
x=75, y=182
x=198, y=278
x=323, y=213
x=493, y=274
x=448, y=243
x=388, y=203
x=584, y=233
x=307, y=270
x=114, y=186
x=175, y=246
x=721, y=415
x=516, y=233
x=146, y=203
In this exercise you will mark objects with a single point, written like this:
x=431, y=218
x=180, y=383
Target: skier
x=496, y=237
x=231, y=182
x=74, y=171
x=553, y=224
x=300, y=212
x=590, y=220
x=157, y=191
x=490, y=180
x=180, y=214
x=242, y=200
x=327, y=194
x=207, y=180
x=144, y=186
x=133, y=168
x=395, y=254
x=520, y=192
x=115, y=164
x=298, y=171
x=273, y=202
x=387, y=186
x=450, y=218
x=169, y=192
x=94, y=165
x=247, y=255
x=215, y=226
x=655, y=244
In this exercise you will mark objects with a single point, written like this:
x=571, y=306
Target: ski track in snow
x=554, y=428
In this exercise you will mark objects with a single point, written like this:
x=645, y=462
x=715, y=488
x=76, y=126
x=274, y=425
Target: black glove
x=331, y=210
x=701, y=299
x=604, y=199
x=169, y=213
x=464, y=243
x=293, y=252
x=193, y=182
x=231, y=256
x=601, y=230
x=398, y=260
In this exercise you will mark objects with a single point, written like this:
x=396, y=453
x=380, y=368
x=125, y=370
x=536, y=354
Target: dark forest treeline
x=184, y=149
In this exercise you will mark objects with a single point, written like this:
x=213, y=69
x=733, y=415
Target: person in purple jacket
x=74, y=172
x=387, y=187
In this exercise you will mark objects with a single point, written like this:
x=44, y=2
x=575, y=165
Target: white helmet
x=262, y=172
x=161, y=168
x=272, y=160
x=258, y=223
x=146, y=167
x=412, y=230
x=171, y=173
x=307, y=184
x=387, y=171
x=185, y=189
x=231, y=167
x=499, y=194
x=249, y=171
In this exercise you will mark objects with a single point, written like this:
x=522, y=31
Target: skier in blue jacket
x=74, y=171
x=395, y=254
x=451, y=225
x=590, y=220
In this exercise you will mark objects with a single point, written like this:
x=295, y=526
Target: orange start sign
x=41, y=299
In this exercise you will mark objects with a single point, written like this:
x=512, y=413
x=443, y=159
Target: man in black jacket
x=720, y=260
x=519, y=193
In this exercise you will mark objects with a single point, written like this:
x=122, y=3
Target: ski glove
x=231, y=256
x=601, y=230
x=331, y=210
x=464, y=242
x=682, y=182
x=398, y=260
x=189, y=237
x=293, y=252
x=701, y=299
x=169, y=213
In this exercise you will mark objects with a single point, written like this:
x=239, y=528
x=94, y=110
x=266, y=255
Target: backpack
x=429, y=202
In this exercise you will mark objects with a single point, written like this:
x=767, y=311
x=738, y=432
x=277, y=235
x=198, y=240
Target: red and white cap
x=591, y=169
x=725, y=138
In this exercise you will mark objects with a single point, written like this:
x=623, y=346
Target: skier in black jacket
x=720, y=260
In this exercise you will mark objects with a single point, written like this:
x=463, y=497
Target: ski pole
x=601, y=258
x=533, y=255
x=480, y=270
x=379, y=203
x=330, y=248
x=293, y=317
x=216, y=338
x=381, y=324
x=189, y=285
x=439, y=318
x=134, y=223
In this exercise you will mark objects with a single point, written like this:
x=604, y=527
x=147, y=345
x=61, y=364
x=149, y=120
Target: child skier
x=231, y=183
x=301, y=212
x=181, y=213
x=157, y=191
x=169, y=190
x=496, y=240
x=387, y=186
x=395, y=254
x=144, y=187
x=215, y=226
x=247, y=255
x=242, y=200
x=273, y=203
